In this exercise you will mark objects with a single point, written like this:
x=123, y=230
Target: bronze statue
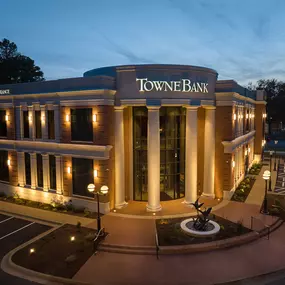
x=200, y=223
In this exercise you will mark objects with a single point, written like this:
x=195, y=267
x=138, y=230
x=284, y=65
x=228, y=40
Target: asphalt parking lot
x=14, y=232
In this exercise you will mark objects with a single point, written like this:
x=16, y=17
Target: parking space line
x=6, y=220
x=17, y=230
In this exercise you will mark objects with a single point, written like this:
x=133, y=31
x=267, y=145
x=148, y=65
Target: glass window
x=4, y=169
x=82, y=175
x=38, y=123
x=51, y=134
x=28, y=168
x=26, y=124
x=52, y=172
x=3, y=125
x=140, y=117
x=81, y=125
x=40, y=170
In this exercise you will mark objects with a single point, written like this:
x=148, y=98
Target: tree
x=15, y=67
x=275, y=98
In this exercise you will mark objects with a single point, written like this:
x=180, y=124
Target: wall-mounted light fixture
x=242, y=116
x=249, y=150
x=233, y=164
x=239, y=117
x=235, y=116
x=250, y=116
x=94, y=118
x=245, y=152
x=68, y=169
x=43, y=118
x=67, y=118
x=6, y=118
x=253, y=115
x=30, y=118
x=8, y=162
x=95, y=173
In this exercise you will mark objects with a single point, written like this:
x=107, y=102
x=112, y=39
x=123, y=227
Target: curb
x=8, y=266
x=29, y=218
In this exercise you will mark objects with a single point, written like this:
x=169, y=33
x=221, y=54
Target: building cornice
x=81, y=150
x=221, y=95
x=92, y=102
x=229, y=146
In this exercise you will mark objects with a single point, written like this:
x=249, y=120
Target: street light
x=266, y=175
x=103, y=191
x=271, y=153
x=276, y=142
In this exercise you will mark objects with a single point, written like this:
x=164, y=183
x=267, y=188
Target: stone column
x=209, y=152
x=46, y=172
x=34, y=176
x=21, y=169
x=59, y=174
x=153, y=159
x=32, y=125
x=119, y=158
x=44, y=120
x=191, y=155
x=57, y=122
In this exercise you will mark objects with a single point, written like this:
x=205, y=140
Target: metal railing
x=156, y=244
x=96, y=240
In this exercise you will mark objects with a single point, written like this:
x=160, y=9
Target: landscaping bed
x=255, y=169
x=169, y=231
x=54, y=206
x=276, y=205
x=56, y=254
x=243, y=189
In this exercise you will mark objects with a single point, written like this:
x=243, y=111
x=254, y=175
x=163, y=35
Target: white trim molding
x=75, y=150
x=133, y=102
x=229, y=146
x=92, y=102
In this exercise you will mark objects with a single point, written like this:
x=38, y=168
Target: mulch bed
x=56, y=254
x=169, y=231
x=240, y=196
x=79, y=212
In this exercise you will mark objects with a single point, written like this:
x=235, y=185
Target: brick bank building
x=149, y=132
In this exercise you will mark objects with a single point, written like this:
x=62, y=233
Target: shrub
x=78, y=226
x=78, y=209
x=87, y=213
x=20, y=201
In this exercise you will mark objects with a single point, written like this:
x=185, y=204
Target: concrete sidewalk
x=256, y=194
x=260, y=257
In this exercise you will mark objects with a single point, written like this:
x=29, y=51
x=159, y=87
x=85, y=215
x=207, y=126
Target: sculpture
x=201, y=221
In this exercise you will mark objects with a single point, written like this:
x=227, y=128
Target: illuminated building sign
x=184, y=85
x=4, y=91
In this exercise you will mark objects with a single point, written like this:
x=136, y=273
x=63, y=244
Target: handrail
x=99, y=234
x=156, y=244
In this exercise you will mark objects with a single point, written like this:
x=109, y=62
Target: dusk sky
x=241, y=39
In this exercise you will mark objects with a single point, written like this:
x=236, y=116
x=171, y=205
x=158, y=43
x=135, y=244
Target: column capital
x=191, y=108
x=153, y=108
x=210, y=107
x=119, y=108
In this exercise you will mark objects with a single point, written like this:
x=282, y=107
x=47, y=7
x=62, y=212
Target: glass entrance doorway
x=172, y=153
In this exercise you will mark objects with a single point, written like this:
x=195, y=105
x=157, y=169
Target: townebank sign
x=4, y=91
x=184, y=85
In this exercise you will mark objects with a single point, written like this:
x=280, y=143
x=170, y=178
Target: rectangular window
x=26, y=124
x=52, y=172
x=4, y=169
x=81, y=125
x=40, y=170
x=82, y=175
x=28, y=168
x=3, y=124
x=38, y=123
x=51, y=134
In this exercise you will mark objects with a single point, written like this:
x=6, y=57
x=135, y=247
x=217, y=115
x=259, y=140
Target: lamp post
x=271, y=153
x=266, y=175
x=103, y=191
x=275, y=142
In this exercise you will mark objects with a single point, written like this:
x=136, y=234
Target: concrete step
x=147, y=250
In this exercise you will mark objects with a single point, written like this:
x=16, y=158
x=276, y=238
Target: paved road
x=14, y=232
